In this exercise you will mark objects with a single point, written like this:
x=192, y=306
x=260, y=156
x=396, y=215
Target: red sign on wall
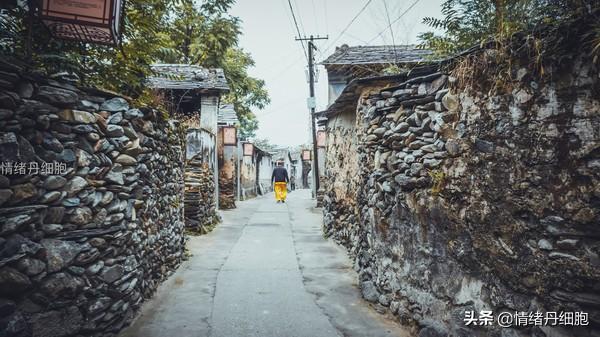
x=248, y=149
x=306, y=155
x=229, y=135
x=321, y=138
x=94, y=21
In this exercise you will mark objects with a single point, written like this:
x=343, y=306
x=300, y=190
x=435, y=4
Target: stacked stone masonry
x=466, y=199
x=200, y=209
x=81, y=249
x=227, y=193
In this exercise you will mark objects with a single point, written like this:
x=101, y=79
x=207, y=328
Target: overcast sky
x=269, y=32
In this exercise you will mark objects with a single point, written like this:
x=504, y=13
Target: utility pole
x=312, y=106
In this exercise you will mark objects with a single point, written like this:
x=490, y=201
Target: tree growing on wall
x=466, y=23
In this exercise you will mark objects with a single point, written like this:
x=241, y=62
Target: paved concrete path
x=266, y=271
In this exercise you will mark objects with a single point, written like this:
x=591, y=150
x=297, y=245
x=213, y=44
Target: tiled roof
x=227, y=115
x=280, y=153
x=261, y=151
x=346, y=55
x=349, y=96
x=186, y=76
x=295, y=155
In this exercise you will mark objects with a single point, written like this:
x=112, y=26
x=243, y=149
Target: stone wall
x=200, y=208
x=85, y=240
x=475, y=197
x=341, y=179
x=248, y=174
x=200, y=184
x=227, y=193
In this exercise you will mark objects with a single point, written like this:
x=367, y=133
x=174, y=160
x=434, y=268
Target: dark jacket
x=280, y=175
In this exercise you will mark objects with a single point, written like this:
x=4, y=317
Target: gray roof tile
x=346, y=55
x=227, y=115
x=187, y=76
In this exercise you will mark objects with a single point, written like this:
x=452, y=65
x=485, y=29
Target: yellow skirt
x=280, y=191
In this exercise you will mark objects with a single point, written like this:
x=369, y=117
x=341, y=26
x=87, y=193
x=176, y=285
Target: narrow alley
x=286, y=168
x=265, y=271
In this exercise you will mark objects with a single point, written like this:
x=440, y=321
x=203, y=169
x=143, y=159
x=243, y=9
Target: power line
x=299, y=17
x=347, y=26
x=326, y=17
x=279, y=107
x=297, y=29
x=283, y=70
x=393, y=22
x=312, y=106
x=355, y=37
x=315, y=15
x=387, y=14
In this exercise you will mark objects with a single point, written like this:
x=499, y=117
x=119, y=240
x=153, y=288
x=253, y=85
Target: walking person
x=280, y=178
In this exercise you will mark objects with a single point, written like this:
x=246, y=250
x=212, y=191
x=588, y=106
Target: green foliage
x=437, y=178
x=26, y=39
x=264, y=144
x=466, y=23
x=593, y=39
x=122, y=69
x=126, y=70
x=200, y=35
x=248, y=126
x=391, y=69
x=246, y=92
x=207, y=36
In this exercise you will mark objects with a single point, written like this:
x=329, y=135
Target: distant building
x=255, y=172
x=284, y=156
x=296, y=171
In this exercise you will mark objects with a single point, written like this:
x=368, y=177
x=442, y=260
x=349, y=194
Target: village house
x=256, y=166
x=350, y=72
x=296, y=168
x=284, y=156
x=292, y=163
x=348, y=63
x=194, y=93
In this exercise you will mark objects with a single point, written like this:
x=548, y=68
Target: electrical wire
x=393, y=22
x=355, y=37
x=326, y=17
x=387, y=14
x=284, y=69
x=297, y=29
x=299, y=18
x=347, y=26
x=280, y=107
x=315, y=15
